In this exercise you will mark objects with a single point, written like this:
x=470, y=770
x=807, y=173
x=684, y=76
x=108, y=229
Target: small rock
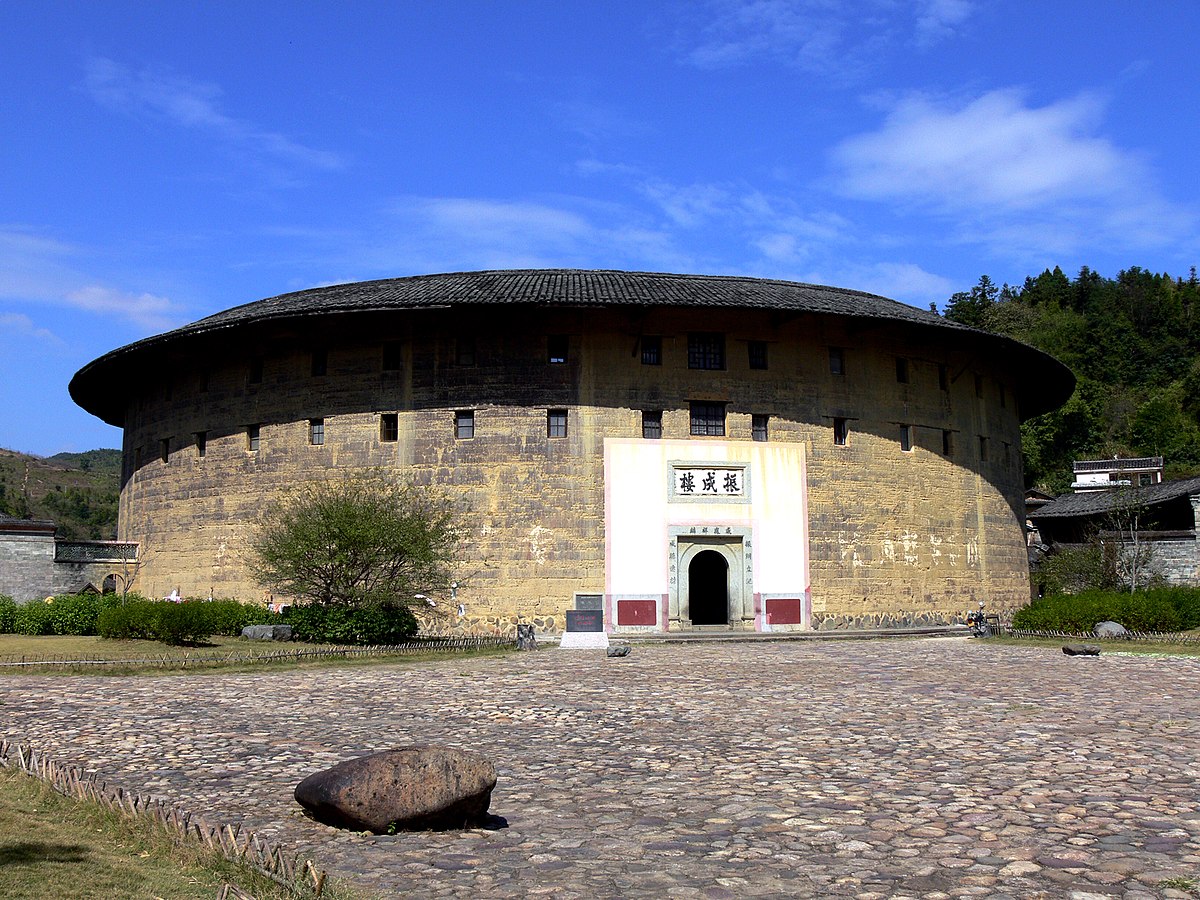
x=406, y=789
x=1081, y=650
x=619, y=650
x=1110, y=629
x=267, y=632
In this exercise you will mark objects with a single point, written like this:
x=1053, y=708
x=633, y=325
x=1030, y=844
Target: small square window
x=389, y=427
x=837, y=361
x=1145, y=479
x=758, y=427
x=840, y=432
x=464, y=424
x=906, y=437
x=320, y=363
x=652, y=424
x=757, y=351
x=253, y=433
x=393, y=356
x=706, y=350
x=164, y=449
x=256, y=370
x=708, y=418
x=901, y=370
x=201, y=444
x=947, y=442
x=556, y=423
x=943, y=377
x=651, y=350
x=316, y=432
x=464, y=351
x=556, y=349
x=983, y=449
x=978, y=385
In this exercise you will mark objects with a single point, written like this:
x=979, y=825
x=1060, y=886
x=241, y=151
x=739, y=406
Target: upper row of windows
x=706, y=350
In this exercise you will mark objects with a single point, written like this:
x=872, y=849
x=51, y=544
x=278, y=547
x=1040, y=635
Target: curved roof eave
x=567, y=288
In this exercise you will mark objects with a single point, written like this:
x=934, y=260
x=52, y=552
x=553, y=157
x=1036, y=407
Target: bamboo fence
x=239, y=657
x=299, y=877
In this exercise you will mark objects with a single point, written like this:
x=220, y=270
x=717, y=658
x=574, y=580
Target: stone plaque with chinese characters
x=712, y=482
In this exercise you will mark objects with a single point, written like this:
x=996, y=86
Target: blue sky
x=163, y=161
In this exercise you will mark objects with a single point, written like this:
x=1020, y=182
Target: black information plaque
x=585, y=620
x=592, y=602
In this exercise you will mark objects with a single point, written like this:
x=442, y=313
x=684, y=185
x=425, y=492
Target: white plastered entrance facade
x=668, y=502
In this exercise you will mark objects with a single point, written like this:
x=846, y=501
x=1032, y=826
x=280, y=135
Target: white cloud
x=831, y=39
x=145, y=310
x=196, y=106
x=940, y=19
x=1002, y=170
x=22, y=327
x=429, y=234
x=43, y=271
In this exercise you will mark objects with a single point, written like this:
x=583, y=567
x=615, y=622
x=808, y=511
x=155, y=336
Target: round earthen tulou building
x=679, y=451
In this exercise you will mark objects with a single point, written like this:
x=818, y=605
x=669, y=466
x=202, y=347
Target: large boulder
x=406, y=789
x=1109, y=629
x=267, y=632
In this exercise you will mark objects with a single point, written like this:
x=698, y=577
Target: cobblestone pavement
x=916, y=768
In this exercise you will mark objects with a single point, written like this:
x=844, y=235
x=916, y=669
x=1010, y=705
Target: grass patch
x=52, y=847
x=1107, y=645
x=174, y=660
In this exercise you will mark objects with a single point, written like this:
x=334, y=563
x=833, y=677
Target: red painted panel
x=637, y=612
x=783, y=612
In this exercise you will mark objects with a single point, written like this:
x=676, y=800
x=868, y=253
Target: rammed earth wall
x=895, y=535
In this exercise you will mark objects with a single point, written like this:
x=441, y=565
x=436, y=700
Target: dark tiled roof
x=1095, y=503
x=570, y=288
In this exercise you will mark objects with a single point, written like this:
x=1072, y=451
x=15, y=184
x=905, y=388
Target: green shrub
x=1158, y=609
x=8, y=614
x=335, y=623
x=136, y=619
x=182, y=623
x=35, y=617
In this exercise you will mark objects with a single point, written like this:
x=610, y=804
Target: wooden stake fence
x=165, y=661
x=300, y=878
x=1161, y=637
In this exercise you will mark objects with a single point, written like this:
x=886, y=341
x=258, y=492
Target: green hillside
x=77, y=491
x=1132, y=341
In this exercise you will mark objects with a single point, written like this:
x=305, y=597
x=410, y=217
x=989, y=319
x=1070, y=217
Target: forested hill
x=1134, y=344
x=77, y=491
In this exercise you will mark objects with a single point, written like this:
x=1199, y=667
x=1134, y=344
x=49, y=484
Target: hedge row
x=1157, y=609
x=179, y=623
x=196, y=620
x=377, y=624
x=84, y=614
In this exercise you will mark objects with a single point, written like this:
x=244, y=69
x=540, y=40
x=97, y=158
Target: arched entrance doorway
x=708, y=589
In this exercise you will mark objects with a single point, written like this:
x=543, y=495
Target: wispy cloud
x=145, y=310
x=836, y=40
x=1000, y=170
x=43, y=271
x=20, y=326
x=195, y=105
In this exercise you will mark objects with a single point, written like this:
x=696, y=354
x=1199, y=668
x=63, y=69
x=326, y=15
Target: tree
x=359, y=540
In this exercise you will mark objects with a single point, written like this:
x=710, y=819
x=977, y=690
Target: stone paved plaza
x=902, y=768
